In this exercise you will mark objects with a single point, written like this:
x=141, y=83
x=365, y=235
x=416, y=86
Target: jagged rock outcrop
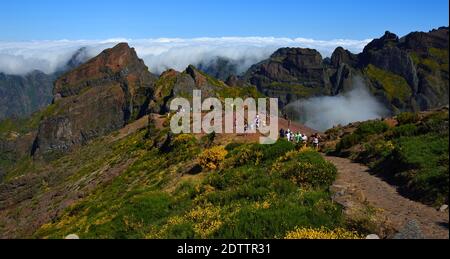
x=411, y=71
x=407, y=74
x=94, y=99
x=342, y=56
x=290, y=74
x=173, y=84
x=385, y=53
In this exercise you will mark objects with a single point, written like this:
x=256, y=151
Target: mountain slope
x=20, y=96
x=136, y=183
x=409, y=151
x=407, y=74
x=95, y=99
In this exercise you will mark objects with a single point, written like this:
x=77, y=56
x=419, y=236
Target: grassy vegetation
x=296, y=89
x=239, y=92
x=395, y=86
x=433, y=61
x=253, y=191
x=413, y=154
x=25, y=125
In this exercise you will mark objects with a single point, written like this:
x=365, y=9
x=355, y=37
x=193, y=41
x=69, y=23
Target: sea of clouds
x=19, y=58
x=324, y=112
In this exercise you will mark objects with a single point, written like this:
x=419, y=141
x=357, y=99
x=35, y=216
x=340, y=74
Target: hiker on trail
x=257, y=119
x=282, y=133
x=288, y=135
x=305, y=140
x=316, y=141
x=298, y=137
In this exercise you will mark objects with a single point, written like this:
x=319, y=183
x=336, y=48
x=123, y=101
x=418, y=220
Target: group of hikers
x=299, y=138
x=253, y=126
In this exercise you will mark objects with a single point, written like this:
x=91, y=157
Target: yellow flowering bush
x=262, y=205
x=183, y=139
x=212, y=158
x=322, y=233
x=246, y=155
x=206, y=220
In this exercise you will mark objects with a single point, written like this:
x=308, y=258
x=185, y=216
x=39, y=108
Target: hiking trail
x=395, y=207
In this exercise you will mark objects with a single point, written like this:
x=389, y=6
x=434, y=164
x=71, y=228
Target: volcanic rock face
x=290, y=74
x=420, y=59
x=94, y=99
x=173, y=84
x=407, y=74
x=342, y=56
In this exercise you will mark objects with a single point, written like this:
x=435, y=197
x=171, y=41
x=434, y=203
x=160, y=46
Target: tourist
x=282, y=133
x=305, y=139
x=298, y=137
x=316, y=141
x=288, y=135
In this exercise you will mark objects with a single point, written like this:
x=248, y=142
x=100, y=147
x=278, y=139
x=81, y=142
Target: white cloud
x=324, y=112
x=160, y=54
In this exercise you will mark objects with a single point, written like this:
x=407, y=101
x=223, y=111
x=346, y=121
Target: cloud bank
x=322, y=113
x=18, y=58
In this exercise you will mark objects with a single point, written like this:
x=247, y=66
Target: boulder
x=72, y=236
x=372, y=236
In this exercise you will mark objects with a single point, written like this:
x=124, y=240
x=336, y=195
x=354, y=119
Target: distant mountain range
x=84, y=126
x=20, y=96
x=408, y=73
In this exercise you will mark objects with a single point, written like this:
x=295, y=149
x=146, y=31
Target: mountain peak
x=388, y=39
x=198, y=77
x=341, y=55
x=285, y=52
x=79, y=57
x=120, y=59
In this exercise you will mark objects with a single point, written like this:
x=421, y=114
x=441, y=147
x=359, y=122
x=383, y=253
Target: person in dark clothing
x=282, y=133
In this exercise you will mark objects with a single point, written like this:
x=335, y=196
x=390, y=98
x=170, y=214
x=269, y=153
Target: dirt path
x=396, y=208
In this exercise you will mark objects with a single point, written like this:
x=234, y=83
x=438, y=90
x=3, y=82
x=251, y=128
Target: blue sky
x=320, y=19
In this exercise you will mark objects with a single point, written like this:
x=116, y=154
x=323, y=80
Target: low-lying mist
x=18, y=58
x=322, y=113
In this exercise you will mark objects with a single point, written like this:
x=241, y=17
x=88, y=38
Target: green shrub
x=208, y=139
x=407, y=118
x=306, y=169
x=435, y=122
x=184, y=140
x=405, y=130
x=272, y=152
x=233, y=145
x=371, y=128
x=258, y=153
x=421, y=163
x=280, y=216
x=379, y=148
x=246, y=155
x=348, y=141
